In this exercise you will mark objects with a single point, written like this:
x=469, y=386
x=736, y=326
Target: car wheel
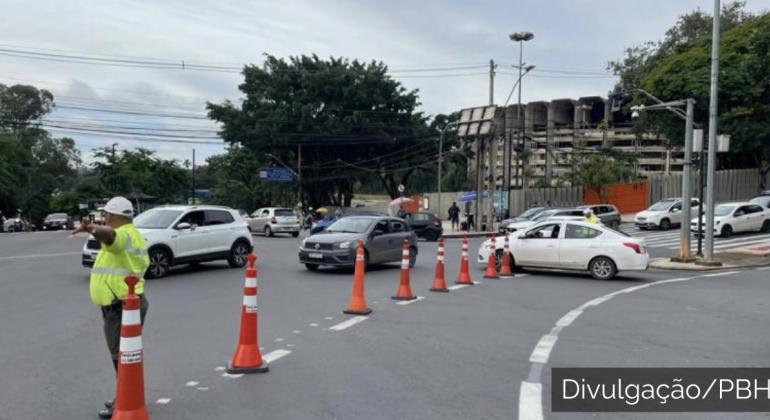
x=268, y=231
x=727, y=231
x=311, y=267
x=412, y=257
x=294, y=234
x=430, y=236
x=602, y=268
x=160, y=263
x=614, y=224
x=765, y=227
x=498, y=260
x=665, y=224
x=238, y=254
x=642, y=227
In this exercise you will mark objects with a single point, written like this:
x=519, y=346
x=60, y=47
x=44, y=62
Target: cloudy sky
x=438, y=47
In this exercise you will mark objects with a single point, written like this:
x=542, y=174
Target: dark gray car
x=607, y=213
x=382, y=237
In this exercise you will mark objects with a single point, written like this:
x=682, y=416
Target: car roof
x=192, y=207
x=736, y=203
x=586, y=206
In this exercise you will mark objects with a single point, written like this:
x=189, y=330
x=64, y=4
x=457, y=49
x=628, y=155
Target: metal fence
x=730, y=185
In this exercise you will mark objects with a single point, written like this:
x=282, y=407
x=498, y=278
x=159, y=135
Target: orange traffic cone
x=505, y=266
x=464, y=277
x=129, y=396
x=357, y=304
x=404, y=290
x=439, y=284
x=247, y=358
x=491, y=272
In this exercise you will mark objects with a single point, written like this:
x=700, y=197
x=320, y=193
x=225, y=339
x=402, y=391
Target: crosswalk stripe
x=735, y=243
x=740, y=244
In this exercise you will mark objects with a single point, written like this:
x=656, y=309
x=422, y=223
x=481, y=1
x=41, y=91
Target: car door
x=754, y=217
x=218, y=232
x=538, y=246
x=191, y=241
x=253, y=221
x=418, y=221
x=378, y=244
x=675, y=213
x=262, y=220
x=579, y=245
x=741, y=219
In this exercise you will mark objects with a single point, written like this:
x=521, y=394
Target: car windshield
x=530, y=213
x=56, y=216
x=156, y=219
x=661, y=205
x=723, y=210
x=283, y=213
x=351, y=225
x=544, y=215
x=762, y=200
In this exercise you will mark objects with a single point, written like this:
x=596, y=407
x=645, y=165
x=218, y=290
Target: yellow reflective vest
x=127, y=255
x=593, y=219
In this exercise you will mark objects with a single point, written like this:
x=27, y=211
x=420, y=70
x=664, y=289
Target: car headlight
x=304, y=241
x=344, y=245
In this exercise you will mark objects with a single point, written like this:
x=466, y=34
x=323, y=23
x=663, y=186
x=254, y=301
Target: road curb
x=729, y=261
x=469, y=234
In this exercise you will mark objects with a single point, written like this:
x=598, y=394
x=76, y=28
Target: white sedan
x=730, y=218
x=572, y=245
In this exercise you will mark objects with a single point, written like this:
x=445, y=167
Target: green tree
x=353, y=122
x=597, y=170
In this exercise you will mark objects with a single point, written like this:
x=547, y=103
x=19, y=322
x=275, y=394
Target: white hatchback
x=572, y=245
x=187, y=234
x=730, y=218
x=272, y=220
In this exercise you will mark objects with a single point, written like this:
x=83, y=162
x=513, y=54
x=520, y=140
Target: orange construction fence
x=628, y=198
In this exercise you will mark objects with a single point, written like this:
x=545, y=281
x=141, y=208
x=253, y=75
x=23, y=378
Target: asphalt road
x=461, y=355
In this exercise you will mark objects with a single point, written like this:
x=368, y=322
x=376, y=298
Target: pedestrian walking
x=123, y=252
x=454, y=216
x=470, y=219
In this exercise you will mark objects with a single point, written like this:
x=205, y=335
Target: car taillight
x=273, y=220
x=634, y=246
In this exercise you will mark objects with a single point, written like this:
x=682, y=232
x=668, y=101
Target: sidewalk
x=754, y=256
x=451, y=234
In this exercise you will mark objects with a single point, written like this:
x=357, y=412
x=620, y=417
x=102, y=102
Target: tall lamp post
x=508, y=149
x=712, y=149
x=519, y=37
x=440, y=160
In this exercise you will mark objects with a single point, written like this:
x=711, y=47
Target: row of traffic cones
x=247, y=358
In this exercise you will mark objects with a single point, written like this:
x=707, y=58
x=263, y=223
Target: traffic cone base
x=444, y=290
x=364, y=311
x=404, y=297
x=236, y=370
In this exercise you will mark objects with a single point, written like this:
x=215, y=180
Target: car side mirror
x=675, y=210
x=183, y=226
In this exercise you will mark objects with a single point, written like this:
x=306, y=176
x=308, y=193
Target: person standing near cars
x=590, y=217
x=123, y=252
x=454, y=215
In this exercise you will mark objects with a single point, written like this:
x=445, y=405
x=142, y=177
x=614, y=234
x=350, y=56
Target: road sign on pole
x=276, y=175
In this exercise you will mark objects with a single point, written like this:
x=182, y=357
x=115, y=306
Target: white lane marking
x=763, y=268
x=279, y=340
x=163, y=401
x=275, y=355
x=296, y=332
x=349, y=323
x=235, y=376
x=21, y=257
x=290, y=345
x=219, y=368
x=530, y=403
x=407, y=302
x=457, y=286
x=192, y=383
x=531, y=393
x=329, y=318
x=542, y=350
x=314, y=325
x=202, y=388
x=567, y=319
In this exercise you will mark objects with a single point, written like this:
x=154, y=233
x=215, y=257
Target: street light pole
x=712, y=149
x=519, y=37
x=684, y=232
x=440, y=161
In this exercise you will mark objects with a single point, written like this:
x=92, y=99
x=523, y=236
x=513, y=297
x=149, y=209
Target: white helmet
x=588, y=212
x=119, y=206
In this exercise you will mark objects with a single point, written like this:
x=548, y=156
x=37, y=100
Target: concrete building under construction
x=554, y=130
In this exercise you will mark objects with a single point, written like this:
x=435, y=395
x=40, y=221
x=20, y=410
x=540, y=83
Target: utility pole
x=192, y=195
x=492, y=67
x=712, y=149
x=684, y=234
x=299, y=173
x=114, y=184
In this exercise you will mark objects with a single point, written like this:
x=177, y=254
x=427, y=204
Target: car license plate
x=316, y=255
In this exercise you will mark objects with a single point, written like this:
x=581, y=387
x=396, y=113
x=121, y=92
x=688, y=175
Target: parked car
x=731, y=218
x=17, y=224
x=187, y=234
x=561, y=243
x=663, y=215
x=57, y=221
x=527, y=214
x=542, y=216
x=425, y=225
x=327, y=221
x=762, y=200
x=382, y=237
x=272, y=220
x=607, y=213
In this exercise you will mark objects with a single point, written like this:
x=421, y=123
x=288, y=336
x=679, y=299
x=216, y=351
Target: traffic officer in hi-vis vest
x=123, y=252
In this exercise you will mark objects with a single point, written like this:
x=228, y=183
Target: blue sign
x=276, y=174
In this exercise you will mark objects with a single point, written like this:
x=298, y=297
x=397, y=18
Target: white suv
x=187, y=234
x=664, y=214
